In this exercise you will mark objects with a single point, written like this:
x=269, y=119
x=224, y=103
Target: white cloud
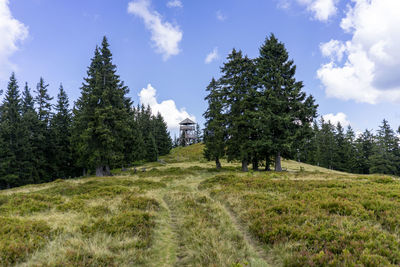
x=333, y=49
x=371, y=69
x=322, y=10
x=221, y=16
x=213, y=55
x=165, y=36
x=12, y=32
x=339, y=117
x=175, y=3
x=172, y=115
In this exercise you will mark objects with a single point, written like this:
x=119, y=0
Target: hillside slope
x=186, y=213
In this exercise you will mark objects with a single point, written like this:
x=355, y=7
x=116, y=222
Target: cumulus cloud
x=221, y=16
x=12, y=33
x=339, y=117
x=333, y=49
x=322, y=10
x=175, y=3
x=172, y=115
x=370, y=72
x=213, y=55
x=165, y=36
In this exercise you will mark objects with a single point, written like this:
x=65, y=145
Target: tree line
x=333, y=147
x=40, y=142
x=257, y=110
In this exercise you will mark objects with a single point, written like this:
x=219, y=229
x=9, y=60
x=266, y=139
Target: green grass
x=184, y=212
x=323, y=222
x=185, y=154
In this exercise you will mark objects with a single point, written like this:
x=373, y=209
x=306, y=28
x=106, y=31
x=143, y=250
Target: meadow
x=183, y=212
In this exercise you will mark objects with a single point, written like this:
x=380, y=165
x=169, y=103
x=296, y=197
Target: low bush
x=19, y=237
x=332, y=222
x=27, y=203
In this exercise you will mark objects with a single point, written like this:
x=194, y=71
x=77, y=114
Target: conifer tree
x=151, y=147
x=287, y=110
x=350, y=150
x=11, y=131
x=32, y=127
x=61, y=130
x=43, y=101
x=214, y=132
x=311, y=151
x=326, y=143
x=364, y=146
x=162, y=137
x=340, y=158
x=101, y=117
x=239, y=91
x=199, y=137
x=45, y=152
x=385, y=157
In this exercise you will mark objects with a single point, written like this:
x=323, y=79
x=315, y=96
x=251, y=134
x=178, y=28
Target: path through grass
x=185, y=213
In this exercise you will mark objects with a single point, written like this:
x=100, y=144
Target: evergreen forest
x=102, y=130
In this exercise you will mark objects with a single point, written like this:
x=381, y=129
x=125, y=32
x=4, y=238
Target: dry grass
x=187, y=213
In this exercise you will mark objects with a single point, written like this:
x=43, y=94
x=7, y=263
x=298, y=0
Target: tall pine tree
x=11, y=133
x=287, y=109
x=215, y=131
x=45, y=152
x=101, y=117
x=61, y=130
x=239, y=91
x=385, y=157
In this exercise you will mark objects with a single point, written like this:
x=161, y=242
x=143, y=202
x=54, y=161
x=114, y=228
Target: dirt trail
x=254, y=245
x=258, y=257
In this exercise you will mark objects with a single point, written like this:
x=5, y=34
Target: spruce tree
x=199, y=137
x=311, y=152
x=61, y=130
x=364, y=147
x=240, y=94
x=340, y=156
x=32, y=127
x=385, y=157
x=350, y=151
x=287, y=109
x=326, y=143
x=101, y=117
x=11, y=132
x=45, y=152
x=162, y=136
x=150, y=147
x=215, y=131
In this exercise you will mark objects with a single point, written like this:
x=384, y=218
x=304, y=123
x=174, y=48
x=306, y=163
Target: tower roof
x=187, y=121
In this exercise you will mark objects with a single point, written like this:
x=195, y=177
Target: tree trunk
x=218, y=163
x=244, y=166
x=278, y=166
x=267, y=163
x=103, y=171
x=255, y=164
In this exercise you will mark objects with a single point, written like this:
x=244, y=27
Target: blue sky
x=347, y=51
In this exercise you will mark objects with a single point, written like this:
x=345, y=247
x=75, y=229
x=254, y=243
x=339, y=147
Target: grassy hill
x=185, y=213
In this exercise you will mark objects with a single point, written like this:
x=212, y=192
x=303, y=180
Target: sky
x=347, y=52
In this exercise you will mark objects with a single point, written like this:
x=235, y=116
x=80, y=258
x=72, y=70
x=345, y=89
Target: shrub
x=23, y=204
x=18, y=238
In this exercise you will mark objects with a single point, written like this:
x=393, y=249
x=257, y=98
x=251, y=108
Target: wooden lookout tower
x=187, y=132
